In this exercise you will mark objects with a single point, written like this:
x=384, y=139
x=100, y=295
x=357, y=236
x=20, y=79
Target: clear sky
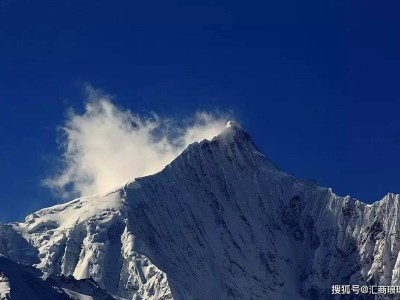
x=316, y=83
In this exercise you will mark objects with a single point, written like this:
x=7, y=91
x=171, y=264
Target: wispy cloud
x=107, y=145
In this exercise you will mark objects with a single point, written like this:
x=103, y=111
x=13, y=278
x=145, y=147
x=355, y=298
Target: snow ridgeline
x=220, y=222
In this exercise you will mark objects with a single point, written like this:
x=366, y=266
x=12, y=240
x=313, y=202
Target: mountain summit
x=221, y=221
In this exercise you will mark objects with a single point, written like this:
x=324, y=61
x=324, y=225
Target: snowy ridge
x=220, y=222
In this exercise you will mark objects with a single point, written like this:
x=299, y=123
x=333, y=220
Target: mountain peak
x=233, y=124
x=234, y=133
x=234, y=129
x=239, y=146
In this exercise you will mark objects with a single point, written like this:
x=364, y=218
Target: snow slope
x=220, y=222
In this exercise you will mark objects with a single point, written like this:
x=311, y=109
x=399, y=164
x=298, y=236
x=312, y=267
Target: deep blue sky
x=316, y=83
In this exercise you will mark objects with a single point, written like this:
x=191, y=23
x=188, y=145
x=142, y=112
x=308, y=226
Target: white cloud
x=107, y=146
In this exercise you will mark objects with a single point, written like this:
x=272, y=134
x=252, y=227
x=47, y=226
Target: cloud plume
x=107, y=145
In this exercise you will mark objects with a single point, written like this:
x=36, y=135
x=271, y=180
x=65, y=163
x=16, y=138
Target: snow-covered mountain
x=220, y=222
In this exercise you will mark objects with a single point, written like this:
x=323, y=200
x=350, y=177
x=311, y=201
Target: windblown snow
x=220, y=222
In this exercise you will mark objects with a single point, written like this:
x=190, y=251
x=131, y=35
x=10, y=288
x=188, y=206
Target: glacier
x=221, y=221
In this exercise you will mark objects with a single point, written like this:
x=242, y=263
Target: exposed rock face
x=220, y=222
x=18, y=281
